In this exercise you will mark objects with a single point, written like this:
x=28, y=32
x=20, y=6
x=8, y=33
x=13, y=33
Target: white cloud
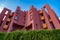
x=59, y=17
x=1, y=7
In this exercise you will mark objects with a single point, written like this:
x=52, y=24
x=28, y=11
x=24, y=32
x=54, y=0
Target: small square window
x=41, y=14
x=6, y=12
x=16, y=17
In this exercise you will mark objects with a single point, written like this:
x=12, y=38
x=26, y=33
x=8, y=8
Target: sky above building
x=25, y=4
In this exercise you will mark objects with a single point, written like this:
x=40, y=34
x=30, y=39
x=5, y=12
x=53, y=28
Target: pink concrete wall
x=26, y=18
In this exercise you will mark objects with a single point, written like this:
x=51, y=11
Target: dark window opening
x=52, y=25
x=7, y=23
x=43, y=21
x=29, y=27
x=36, y=24
x=9, y=16
x=41, y=14
x=17, y=27
x=1, y=23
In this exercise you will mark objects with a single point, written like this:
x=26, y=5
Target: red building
x=32, y=19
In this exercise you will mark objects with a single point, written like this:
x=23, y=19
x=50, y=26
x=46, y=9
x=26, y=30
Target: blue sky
x=25, y=4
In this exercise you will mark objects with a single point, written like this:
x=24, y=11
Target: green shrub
x=31, y=35
x=2, y=35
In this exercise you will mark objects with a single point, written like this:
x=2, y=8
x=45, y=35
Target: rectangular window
x=16, y=17
x=52, y=25
x=30, y=17
x=41, y=14
x=7, y=23
x=43, y=21
x=4, y=18
x=6, y=12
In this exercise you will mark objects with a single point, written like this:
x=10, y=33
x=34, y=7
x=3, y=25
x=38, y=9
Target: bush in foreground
x=31, y=35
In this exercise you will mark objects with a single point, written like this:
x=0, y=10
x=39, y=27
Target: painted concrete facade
x=32, y=19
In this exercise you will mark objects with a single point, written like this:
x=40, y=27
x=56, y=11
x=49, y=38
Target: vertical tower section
x=5, y=19
x=45, y=19
x=32, y=19
x=53, y=17
x=17, y=22
x=3, y=14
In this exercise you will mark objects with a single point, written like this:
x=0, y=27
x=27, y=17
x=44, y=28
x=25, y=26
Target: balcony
x=8, y=19
x=41, y=12
x=10, y=14
x=44, y=26
x=42, y=17
x=5, y=27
